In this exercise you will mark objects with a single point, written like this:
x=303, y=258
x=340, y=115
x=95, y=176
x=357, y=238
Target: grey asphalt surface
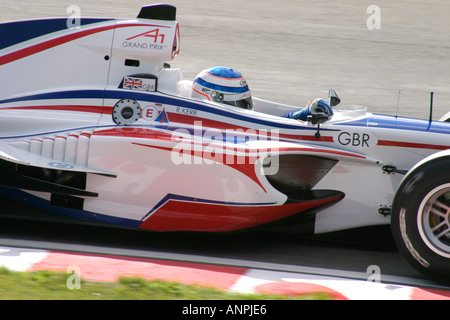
x=350, y=252
x=294, y=51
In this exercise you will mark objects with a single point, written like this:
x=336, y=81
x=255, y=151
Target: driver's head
x=224, y=85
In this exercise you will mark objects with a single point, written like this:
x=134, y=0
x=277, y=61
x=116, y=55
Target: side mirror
x=317, y=118
x=334, y=99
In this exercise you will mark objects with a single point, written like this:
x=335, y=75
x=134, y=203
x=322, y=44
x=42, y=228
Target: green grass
x=49, y=285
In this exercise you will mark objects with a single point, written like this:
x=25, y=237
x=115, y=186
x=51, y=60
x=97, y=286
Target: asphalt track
x=290, y=52
x=350, y=255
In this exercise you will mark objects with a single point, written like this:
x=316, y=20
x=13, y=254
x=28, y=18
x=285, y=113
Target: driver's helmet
x=223, y=85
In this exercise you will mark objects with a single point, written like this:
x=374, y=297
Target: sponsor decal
x=186, y=111
x=139, y=84
x=151, y=112
x=132, y=83
x=162, y=117
x=60, y=165
x=150, y=40
x=354, y=139
x=153, y=34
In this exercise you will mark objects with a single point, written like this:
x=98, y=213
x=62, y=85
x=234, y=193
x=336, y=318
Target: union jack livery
x=115, y=135
x=132, y=83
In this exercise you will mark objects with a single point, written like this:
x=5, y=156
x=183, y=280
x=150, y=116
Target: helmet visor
x=243, y=103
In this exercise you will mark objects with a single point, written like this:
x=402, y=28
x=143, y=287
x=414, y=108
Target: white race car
x=94, y=124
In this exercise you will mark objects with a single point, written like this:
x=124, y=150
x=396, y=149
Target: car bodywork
x=95, y=125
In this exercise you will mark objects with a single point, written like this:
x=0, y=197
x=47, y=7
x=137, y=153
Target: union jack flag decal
x=132, y=83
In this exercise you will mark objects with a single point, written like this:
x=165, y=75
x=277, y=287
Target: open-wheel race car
x=96, y=125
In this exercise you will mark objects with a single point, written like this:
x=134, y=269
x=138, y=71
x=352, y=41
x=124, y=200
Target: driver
x=223, y=85
x=313, y=107
x=228, y=86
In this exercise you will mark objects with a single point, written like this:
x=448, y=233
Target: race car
x=96, y=125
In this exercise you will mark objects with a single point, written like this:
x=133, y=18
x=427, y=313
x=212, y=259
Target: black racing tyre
x=421, y=219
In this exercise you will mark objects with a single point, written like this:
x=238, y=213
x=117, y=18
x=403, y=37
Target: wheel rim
x=433, y=220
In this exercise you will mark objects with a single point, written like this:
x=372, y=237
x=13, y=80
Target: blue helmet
x=223, y=85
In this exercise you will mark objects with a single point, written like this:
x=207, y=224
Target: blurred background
x=294, y=51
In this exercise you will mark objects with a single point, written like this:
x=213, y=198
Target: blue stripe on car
x=176, y=197
x=29, y=199
x=20, y=31
x=399, y=123
x=163, y=99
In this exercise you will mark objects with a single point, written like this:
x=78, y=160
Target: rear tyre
x=421, y=219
